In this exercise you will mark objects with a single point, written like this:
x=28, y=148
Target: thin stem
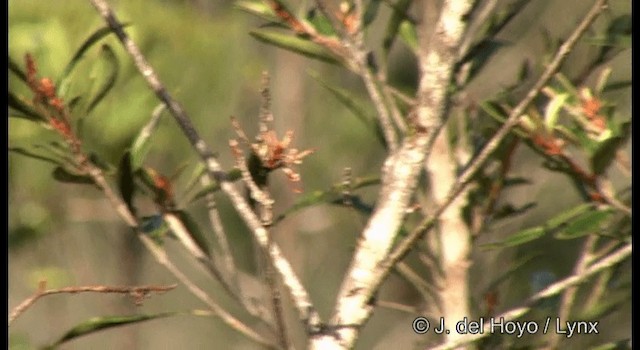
x=138, y=292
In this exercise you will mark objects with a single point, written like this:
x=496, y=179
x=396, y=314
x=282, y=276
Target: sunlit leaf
x=603, y=77
x=552, y=112
x=409, y=35
x=294, y=44
x=259, y=9
x=142, y=144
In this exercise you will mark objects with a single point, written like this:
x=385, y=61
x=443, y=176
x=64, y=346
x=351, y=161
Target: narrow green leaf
x=552, y=112
x=501, y=18
x=142, y=144
x=259, y=9
x=605, y=152
x=613, y=301
x=99, y=323
x=112, y=68
x=347, y=99
x=514, y=268
x=63, y=175
x=603, y=77
x=232, y=175
x=568, y=215
x=100, y=163
x=480, y=54
x=617, y=85
x=86, y=45
x=353, y=105
x=320, y=22
x=330, y=196
x=194, y=178
x=409, y=35
x=494, y=110
x=294, y=44
x=587, y=223
x=399, y=14
x=17, y=70
x=27, y=112
x=126, y=183
x=515, y=181
x=509, y=210
x=619, y=41
x=30, y=154
x=518, y=238
x=371, y=12
x=624, y=344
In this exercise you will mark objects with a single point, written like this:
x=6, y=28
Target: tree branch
x=137, y=292
x=399, y=179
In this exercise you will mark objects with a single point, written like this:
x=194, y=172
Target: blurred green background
x=69, y=235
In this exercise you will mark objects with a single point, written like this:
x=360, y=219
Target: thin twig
x=137, y=292
x=301, y=299
x=554, y=289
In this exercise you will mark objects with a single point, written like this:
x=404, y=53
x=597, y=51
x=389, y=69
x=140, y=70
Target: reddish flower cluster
x=273, y=153
x=48, y=104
